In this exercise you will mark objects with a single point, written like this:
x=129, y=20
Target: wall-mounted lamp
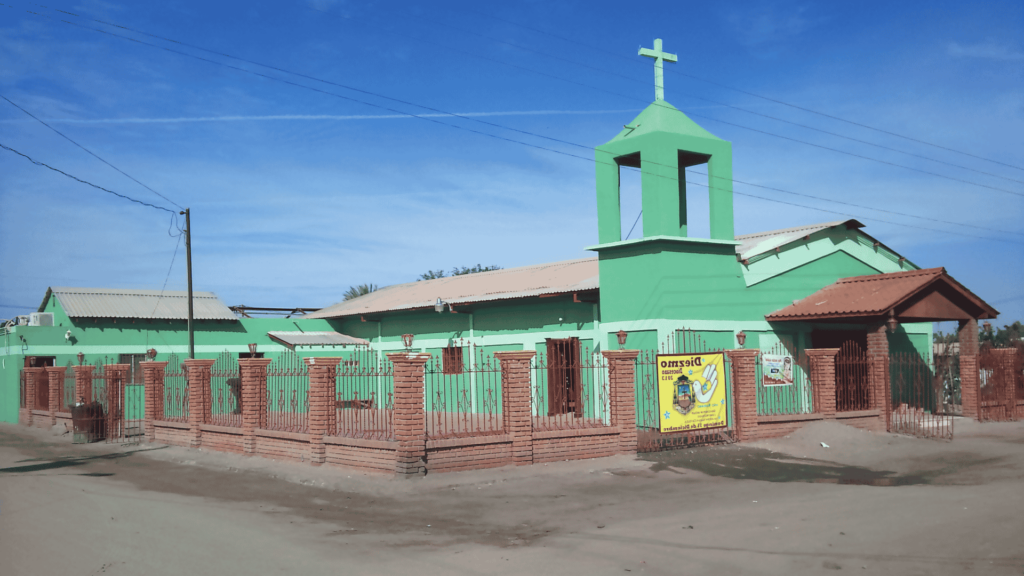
x=81, y=358
x=407, y=340
x=67, y=336
x=252, y=350
x=439, y=305
x=621, y=335
x=741, y=338
x=987, y=326
x=891, y=323
x=151, y=354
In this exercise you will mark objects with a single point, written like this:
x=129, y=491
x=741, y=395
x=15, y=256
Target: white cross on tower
x=659, y=75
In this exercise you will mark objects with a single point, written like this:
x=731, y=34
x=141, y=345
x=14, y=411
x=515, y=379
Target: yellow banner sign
x=691, y=392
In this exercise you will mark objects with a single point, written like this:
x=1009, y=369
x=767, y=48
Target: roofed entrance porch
x=875, y=368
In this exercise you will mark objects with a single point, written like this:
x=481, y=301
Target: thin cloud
x=190, y=119
x=987, y=50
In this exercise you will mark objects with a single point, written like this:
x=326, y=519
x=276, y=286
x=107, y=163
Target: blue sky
x=297, y=194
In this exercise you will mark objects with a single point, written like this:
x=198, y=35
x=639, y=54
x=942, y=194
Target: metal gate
x=999, y=375
x=122, y=402
x=649, y=437
x=917, y=404
x=853, y=388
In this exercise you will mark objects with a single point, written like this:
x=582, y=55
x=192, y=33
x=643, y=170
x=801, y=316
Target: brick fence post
x=116, y=374
x=878, y=372
x=55, y=374
x=744, y=391
x=410, y=419
x=83, y=383
x=323, y=414
x=198, y=374
x=253, y=372
x=516, y=403
x=823, y=379
x=970, y=391
x=622, y=395
x=153, y=376
x=32, y=376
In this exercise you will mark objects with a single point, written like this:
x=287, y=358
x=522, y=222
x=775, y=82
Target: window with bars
x=451, y=360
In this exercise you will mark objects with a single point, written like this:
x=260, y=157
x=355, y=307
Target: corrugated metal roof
x=141, y=304
x=754, y=244
x=294, y=338
x=872, y=295
x=541, y=279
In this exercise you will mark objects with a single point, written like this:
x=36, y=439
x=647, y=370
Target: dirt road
x=870, y=503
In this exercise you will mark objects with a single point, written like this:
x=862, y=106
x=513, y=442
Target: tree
x=473, y=270
x=361, y=290
x=457, y=271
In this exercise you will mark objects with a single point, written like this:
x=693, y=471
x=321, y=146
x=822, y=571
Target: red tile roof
x=877, y=294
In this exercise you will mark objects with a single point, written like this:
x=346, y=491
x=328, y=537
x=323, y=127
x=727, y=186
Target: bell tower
x=666, y=276
x=662, y=142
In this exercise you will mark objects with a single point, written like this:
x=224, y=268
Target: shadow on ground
x=744, y=463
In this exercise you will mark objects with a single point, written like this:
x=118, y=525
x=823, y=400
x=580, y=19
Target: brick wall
x=878, y=372
x=198, y=374
x=750, y=426
x=744, y=392
x=410, y=453
x=32, y=376
x=55, y=374
x=472, y=453
x=410, y=420
x=83, y=383
x=969, y=382
x=153, y=376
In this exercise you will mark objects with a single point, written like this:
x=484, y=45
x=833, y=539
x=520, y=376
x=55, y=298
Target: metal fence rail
x=364, y=397
x=175, y=391
x=287, y=406
x=914, y=398
x=569, y=388
x=853, y=389
x=999, y=383
x=66, y=398
x=783, y=389
x=648, y=409
x=225, y=391
x=463, y=396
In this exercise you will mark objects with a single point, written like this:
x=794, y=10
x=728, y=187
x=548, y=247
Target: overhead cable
x=796, y=140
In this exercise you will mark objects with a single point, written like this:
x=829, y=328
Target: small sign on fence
x=691, y=392
x=778, y=370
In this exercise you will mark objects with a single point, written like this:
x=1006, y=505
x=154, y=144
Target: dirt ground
x=869, y=503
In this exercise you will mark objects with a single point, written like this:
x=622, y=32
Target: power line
x=940, y=221
x=740, y=90
x=168, y=277
x=90, y=152
x=561, y=141
x=429, y=119
x=44, y=165
x=820, y=146
x=634, y=80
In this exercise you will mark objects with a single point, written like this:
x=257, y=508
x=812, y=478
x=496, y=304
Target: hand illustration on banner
x=705, y=392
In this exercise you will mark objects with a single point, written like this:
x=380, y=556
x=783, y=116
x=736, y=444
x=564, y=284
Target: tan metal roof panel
x=140, y=304
x=295, y=338
x=527, y=281
x=753, y=244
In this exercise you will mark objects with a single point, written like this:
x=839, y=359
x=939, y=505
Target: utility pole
x=188, y=260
